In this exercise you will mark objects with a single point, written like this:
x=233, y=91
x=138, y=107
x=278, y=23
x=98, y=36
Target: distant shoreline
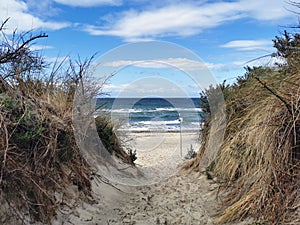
x=159, y=131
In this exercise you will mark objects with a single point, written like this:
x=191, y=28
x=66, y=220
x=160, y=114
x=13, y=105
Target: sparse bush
x=191, y=153
x=132, y=154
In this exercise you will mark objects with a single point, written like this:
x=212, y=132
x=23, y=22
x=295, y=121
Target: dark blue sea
x=153, y=114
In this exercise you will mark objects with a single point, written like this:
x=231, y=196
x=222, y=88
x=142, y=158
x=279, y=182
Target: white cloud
x=180, y=63
x=21, y=19
x=42, y=9
x=266, y=10
x=114, y=87
x=152, y=86
x=179, y=20
x=40, y=47
x=88, y=3
x=249, y=45
x=186, y=19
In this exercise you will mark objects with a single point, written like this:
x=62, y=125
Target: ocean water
x=153, y=114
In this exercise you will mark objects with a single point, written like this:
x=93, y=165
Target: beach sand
x=153, y=148
x=180, y=198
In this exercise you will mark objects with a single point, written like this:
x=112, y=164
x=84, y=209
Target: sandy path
x=184, y=198
x=179, y=200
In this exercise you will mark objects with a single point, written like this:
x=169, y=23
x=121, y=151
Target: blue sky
x=224, y=34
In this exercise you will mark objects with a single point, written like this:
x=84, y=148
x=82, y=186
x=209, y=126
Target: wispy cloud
x=21, y=19
x=42, y=9
x=88, y=3
x=186, y=19
x=264, y=61
x=40, y=47
x=148, y=86
x=249, y=45
x=57, y=60
x=180, y=63
x=174, y=20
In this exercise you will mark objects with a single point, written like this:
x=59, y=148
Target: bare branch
x=9, y=55
x=288, y=106
x=3, y=24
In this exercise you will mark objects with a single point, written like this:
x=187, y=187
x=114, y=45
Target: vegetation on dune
x=39, y=156
x=38, y=152
x=258, y=165
x=111, y=142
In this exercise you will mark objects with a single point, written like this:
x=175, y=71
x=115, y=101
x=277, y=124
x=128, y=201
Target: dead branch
x=288, y=106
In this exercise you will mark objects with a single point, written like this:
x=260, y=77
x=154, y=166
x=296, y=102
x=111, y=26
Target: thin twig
x=288, y=106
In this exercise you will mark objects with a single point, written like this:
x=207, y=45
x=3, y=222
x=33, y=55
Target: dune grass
x=259, y=159
x=38, y=153
x=258, y=165
x=39, y=157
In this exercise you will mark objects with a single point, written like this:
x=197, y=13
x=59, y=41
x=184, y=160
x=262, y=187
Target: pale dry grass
x=258, y=164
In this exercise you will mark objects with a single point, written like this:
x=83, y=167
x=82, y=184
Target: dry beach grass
x=258, y=163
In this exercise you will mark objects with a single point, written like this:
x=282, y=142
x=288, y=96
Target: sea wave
x=156, y=122
x=160, y=126
x=151, y=110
